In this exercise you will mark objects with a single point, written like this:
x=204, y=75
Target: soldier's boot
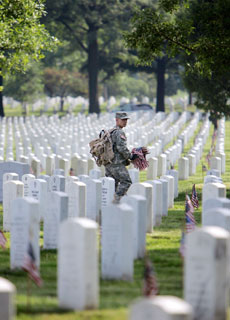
x=116, y=199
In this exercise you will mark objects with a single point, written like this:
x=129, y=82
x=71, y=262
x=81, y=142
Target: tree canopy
x=197, y=30
x=22, y=37
x=199, y=27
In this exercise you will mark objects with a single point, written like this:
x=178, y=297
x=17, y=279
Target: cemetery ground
x=115, y=296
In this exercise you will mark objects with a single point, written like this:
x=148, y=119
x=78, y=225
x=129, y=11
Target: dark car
x=134, y=107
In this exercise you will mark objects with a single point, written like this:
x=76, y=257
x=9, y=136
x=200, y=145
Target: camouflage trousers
x=121, y=176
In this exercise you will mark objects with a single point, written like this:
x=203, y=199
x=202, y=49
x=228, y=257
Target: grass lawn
x=115, y=296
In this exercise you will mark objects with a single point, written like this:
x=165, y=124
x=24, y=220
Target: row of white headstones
x=123, y=227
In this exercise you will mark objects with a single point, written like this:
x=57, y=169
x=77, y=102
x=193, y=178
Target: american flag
x=30, y=266
x=2, y=240
x=182, y=245
x=140, y=163
x=189, y=217
x=150, y=283
x=194, y=198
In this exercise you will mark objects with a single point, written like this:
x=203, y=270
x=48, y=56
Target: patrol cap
x=121, y=115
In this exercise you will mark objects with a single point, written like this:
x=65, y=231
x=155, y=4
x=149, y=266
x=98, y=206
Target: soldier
x=122, y=157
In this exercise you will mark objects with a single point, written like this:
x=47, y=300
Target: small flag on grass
x=3, y=240
x=190, y=221
x=194, y=198
x=30, y=266
x=150, y=283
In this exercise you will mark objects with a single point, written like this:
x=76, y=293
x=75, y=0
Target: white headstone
x=57, y=183
x=11, y=190
x=25, y=229
x=152, y=168
x=26, y=178
x=165, y=195
x=7, y=299
x=207, y=272
x=160, y=308
x=134, y=175
x=107, y=191
x=38, y=191
x=157, y=201
x=57, y=211
x=77, y=199
x=183, y=168
x=117, y=242
x=139, y=207
x=212, y=190
x=78, y=279
x=145, y=190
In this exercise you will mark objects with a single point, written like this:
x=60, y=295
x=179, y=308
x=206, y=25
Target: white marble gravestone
x=93, y=195
x=206, y=278
x=107, y=191
x=183, y=168
x=146, y=190
x=212, y=190
x=174, y=173
x=76, y=192
x=57, y=211
x=170, y=180
x=78, y=279
x=219, y=217
x=117, y=242
x=7, y=300
x=10, y=176
x=152, y=168
x=160, y=308
x=213, y=204
x=134, y=175
x=95, y=174
x=57, y=183
x=12, y=189
x=14, y=167
x=157, y=201
x=38, y=191
x=139, y=207
x=165, y=195
x=26, y=178
x=68, y=180
x=25, y=229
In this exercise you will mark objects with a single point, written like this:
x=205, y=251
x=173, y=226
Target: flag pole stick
x=28, y=291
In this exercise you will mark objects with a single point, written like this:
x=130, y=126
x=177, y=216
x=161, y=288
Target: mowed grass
x=115, y=296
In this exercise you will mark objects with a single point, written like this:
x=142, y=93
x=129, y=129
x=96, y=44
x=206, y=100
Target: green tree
x=22, y=37
x=95, y=28
x=197, y=29
x=61, y=83
x=25, y=87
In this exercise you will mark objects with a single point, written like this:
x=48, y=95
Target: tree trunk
x=61, y=104
x=161, y=64
x=93, y=71
x=190, y=98
x=2, y=113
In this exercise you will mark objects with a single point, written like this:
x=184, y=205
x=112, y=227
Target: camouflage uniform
x=117, y=169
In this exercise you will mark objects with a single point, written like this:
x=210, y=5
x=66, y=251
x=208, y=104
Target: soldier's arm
x=121, y=145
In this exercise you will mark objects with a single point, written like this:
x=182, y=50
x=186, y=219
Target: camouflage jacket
x=121, y=152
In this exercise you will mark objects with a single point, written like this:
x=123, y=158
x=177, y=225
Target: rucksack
x=102, y=148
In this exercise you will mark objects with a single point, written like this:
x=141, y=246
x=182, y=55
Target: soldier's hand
x=134, y=156
x=145, y=150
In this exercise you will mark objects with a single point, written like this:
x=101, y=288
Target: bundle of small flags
x=190, y=221
x=3, y=240
x=194, y=199
x=150, y=284
x=30, y=266
x=140, y=163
